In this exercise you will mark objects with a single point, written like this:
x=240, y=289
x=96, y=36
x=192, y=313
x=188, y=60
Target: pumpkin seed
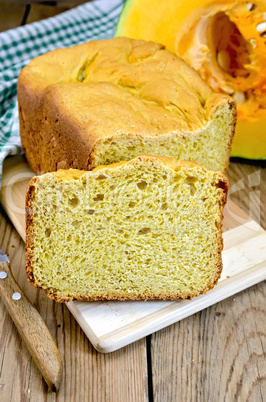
x=223, y=59
x=239, y=97
x=261, y=27
x=227, y=89
x=251, y=6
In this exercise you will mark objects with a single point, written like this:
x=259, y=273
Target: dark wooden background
x=214, y=356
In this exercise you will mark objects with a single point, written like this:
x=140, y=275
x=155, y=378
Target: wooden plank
x=248, y=190
x=118, y=376
x=50, y=9
x=53, y=3
x=41, y=11
x=12, y=12
x=219, y=353
x=14, y=186
x=11, y=16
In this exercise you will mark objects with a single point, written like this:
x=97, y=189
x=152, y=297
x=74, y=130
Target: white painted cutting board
x=112, y=325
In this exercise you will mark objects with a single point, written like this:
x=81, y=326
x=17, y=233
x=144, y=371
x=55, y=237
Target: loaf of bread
x=150, y=228
x=111, y=100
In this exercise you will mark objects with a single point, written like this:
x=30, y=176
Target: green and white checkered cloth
x=94, y=20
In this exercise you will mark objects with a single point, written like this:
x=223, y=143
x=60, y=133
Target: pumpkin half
x=225, y=41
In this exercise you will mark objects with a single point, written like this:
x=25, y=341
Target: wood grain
x=215, y=355
x=32, y=329
x=53, y=3
x=15, y=12
x=41, y=11
x=219, y=353
x=11, y=16
x=118, y=376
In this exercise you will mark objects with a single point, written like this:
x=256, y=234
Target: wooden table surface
x=215, y=355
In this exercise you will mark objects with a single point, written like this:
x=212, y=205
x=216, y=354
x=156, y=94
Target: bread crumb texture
x=111, y=100
x=149, y=228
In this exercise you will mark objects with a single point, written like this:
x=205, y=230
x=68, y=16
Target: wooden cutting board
x=112, y=325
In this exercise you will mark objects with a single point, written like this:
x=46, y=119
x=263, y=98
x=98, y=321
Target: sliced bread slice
x=150, y=228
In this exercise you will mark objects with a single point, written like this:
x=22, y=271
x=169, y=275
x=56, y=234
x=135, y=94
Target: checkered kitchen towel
x=94, y=20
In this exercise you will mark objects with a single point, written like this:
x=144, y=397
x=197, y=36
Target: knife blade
x=31, y=326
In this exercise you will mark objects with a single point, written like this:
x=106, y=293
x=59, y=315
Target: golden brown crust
x=114, y=296
x=152, y=93
x=30, y=231
x=232, y=106
x=219, y=262
x=169, y=162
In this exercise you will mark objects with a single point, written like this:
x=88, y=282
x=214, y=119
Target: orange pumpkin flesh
x=225, y=41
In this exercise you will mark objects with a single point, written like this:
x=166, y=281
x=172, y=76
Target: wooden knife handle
x=32, y=328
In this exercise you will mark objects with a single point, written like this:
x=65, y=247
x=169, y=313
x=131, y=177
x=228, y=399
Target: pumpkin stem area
x=231, y=49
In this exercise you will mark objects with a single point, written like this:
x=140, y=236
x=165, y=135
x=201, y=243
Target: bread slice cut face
x=149, y=228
